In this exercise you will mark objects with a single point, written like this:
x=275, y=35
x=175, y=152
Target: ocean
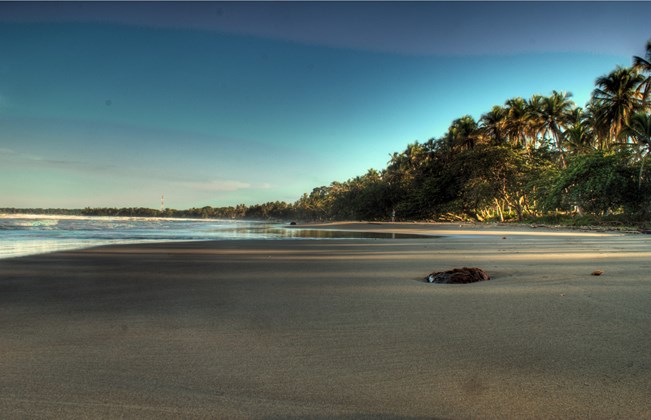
x=22, y=235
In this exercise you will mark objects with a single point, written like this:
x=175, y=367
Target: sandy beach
x=332, y=328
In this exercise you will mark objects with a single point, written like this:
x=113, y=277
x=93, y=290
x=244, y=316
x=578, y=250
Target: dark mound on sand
x=458, y=276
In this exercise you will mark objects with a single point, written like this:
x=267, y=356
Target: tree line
x=530, y=158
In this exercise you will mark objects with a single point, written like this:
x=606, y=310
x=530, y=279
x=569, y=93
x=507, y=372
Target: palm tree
x=463, y=133
x=415, y=153
x=579, y=135
x=643, y=66
x=600, y=129
x=616, y=98
x=493, y=125
x=555, y=116
x=517, y=122
x=534, y=120
x=639, y=129
x=406, y=165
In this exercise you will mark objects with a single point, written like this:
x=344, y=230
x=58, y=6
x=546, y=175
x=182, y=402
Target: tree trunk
x=498, y=207
x=639, y=181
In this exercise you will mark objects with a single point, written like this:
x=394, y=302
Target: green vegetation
x=538, y=159
x=541, y=158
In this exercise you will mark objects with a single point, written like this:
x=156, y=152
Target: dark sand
x=332, y=329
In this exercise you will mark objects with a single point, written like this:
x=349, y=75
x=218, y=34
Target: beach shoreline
x=463, y=226
x=332, y=328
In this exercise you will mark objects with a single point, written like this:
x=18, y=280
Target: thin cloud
x=25, y=159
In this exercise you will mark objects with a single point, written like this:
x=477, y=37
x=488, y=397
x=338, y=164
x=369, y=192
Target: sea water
x=34, y=234
x=22, y=235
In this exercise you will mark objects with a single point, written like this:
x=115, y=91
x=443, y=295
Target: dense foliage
x=526, y=159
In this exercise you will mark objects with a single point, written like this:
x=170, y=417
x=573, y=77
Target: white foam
x=28, y=234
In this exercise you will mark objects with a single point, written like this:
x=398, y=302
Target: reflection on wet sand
x=283, y=233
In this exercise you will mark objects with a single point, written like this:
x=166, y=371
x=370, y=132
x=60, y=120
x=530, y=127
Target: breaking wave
x=31, y=234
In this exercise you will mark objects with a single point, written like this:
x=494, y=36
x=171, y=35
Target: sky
x=107, y=104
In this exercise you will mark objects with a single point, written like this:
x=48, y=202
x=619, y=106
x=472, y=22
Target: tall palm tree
x=616, y=98
x=555, y=114
x=599, y=127
x=643, y=66
x=639, y=129
x=493, y=125
x=534, y=120
x=579, y=135
x=463, y=133
x=517, y=122
x=407, y=162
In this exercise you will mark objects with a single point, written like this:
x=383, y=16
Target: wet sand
x=332, y=329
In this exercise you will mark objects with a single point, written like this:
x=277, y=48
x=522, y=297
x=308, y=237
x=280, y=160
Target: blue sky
x=112, y=104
